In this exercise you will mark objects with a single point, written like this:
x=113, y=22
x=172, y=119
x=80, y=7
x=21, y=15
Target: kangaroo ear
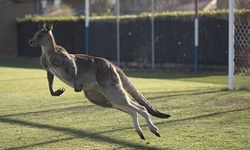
x=48, y=27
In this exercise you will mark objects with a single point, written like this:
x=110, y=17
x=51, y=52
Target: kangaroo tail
x=139, y=97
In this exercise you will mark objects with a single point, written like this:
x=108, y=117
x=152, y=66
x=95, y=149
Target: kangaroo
x=102, y=82
x=56, y=59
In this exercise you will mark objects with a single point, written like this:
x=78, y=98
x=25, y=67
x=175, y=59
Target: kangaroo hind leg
x=118, y=97
x=133, y=114
x=120, y=100
x=143, y=111
x=112, y=88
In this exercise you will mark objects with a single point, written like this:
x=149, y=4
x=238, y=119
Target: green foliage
x=173, y=15
x=204, y=116
x=36, y=18
x=101, y=7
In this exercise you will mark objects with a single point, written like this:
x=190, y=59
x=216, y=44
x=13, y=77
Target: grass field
x=204, y=114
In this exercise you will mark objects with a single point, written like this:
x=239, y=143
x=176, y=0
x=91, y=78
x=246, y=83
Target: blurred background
x=173, y=31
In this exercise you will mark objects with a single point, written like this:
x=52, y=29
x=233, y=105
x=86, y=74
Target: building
x=239, y=4
x=9, y=10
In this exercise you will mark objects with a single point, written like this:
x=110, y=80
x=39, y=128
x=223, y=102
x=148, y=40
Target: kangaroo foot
x=156, y=133
x=154, y=130
x=141, y=135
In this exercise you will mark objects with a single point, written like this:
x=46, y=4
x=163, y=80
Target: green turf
x=204, y=114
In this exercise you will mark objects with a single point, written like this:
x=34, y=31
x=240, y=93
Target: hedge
x=173, y=14
x=174, y=36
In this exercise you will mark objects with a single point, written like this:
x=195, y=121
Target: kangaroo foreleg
x=50, y=78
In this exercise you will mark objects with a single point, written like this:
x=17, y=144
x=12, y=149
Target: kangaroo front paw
x=58, y=92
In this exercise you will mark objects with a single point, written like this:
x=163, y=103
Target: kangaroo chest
x=57, y=68
x=62, y=71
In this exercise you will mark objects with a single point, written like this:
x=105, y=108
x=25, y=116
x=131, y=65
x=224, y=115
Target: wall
x=9, y=10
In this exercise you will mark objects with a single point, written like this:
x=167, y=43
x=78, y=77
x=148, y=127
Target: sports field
x=204, y=114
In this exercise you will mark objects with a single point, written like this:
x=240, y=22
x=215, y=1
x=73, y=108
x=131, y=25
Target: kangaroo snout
x=32, y=43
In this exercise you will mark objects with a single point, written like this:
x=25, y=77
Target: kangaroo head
x=43, y=36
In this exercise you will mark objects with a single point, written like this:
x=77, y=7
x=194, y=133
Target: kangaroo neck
x=50, y=46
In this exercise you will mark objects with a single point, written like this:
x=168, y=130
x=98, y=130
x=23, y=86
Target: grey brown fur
x=103, y=83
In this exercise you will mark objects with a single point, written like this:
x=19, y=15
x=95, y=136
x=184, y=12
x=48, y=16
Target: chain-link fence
x=140, y=41
x=158, y=37
x=242, y=45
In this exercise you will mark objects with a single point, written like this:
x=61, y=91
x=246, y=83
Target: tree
x=101, y=7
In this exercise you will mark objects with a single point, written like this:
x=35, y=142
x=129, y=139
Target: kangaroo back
x=138, y=96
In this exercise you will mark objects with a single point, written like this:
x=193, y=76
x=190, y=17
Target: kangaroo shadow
x=186, y=93
x=204, y=116
x=41, y=143
x=97, y=136
x=75, y=133
x=72, y=108
x=166, y=75
x=186, y=119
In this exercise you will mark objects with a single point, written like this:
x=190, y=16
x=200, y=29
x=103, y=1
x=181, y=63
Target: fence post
x=87, y=27
x=118, y=32
x=196, y=37
x=153, y=34
x=231, y=46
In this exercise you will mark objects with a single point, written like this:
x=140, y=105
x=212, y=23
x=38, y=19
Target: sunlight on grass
x=204, y=114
